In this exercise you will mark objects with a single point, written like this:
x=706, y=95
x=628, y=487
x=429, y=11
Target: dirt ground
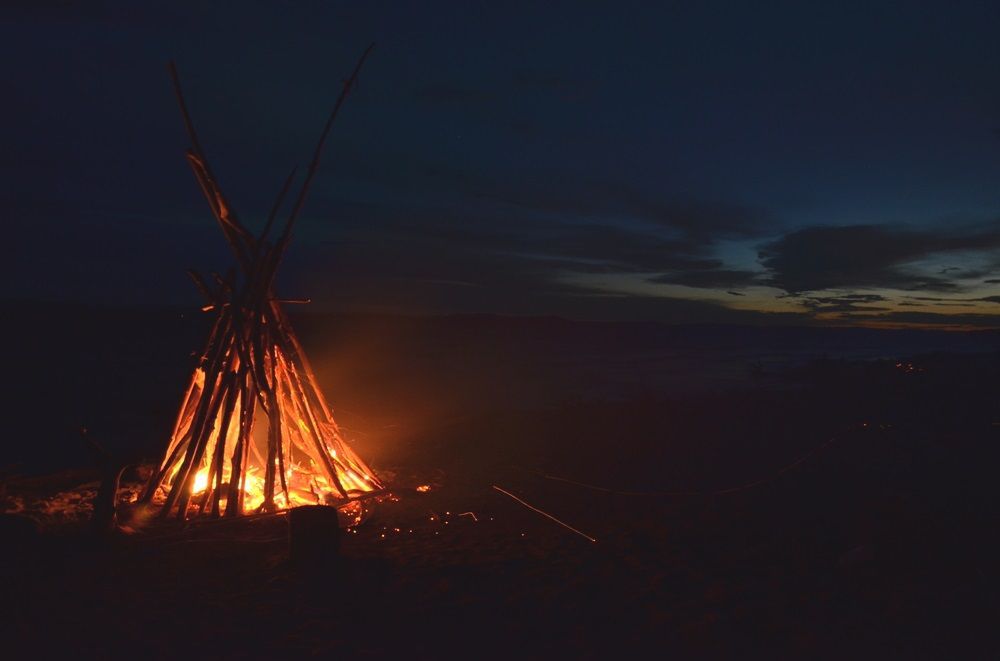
x=881, y=542
x=741, y=508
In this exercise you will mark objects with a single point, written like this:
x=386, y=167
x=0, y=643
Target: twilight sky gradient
x=702, y=162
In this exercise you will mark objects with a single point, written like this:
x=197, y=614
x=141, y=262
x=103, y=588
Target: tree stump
x=314, y=538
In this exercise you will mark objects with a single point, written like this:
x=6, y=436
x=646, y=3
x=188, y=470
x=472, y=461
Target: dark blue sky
x=805, y=162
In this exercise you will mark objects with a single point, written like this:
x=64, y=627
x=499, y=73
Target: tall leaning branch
x=237, y=235
x=314, y=164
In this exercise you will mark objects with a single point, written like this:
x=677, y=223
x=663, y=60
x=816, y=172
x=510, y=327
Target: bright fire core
x=313, y=466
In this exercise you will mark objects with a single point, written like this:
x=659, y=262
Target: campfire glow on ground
x=254, y=432
x=304, y=479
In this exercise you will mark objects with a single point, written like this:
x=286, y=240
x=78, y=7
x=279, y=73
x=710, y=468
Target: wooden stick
x=186, y=413
x=176, y=438
x=274, y=209
x=273, y=440
x=241, y=496
x=236, y=464
x=202, y=170
x=208, y=407
x=314, y=164
x=211, y=358
x=157, y=478
x=318, y=439
x=277, y=413
x=215, y=470
x=545, y=514
x=234, y=232
x=202, y=286
x=200, y=441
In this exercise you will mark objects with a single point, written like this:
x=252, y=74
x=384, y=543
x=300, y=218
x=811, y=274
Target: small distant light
x=424, y=488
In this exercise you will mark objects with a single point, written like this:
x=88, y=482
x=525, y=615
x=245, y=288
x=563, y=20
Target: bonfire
x=254, y=432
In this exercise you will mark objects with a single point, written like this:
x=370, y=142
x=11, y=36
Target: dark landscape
x=880, y=541
x=499, y=330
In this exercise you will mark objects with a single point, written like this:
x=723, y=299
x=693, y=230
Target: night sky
x=704, y=162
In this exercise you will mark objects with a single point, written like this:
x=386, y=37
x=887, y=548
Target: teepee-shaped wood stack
x=254, y=433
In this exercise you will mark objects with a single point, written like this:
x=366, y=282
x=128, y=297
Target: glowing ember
x=200, y=481
x=424, y=488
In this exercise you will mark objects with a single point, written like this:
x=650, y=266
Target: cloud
x=604, y=248
x=432, y=265
x=483, y=258
x=821, y=258
x=439, y=237
x=711, y=278
x=928, y=319
x=939, y=300
x=701, y=220
x=556, y=223
x=545, y=194
x=844, y=303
